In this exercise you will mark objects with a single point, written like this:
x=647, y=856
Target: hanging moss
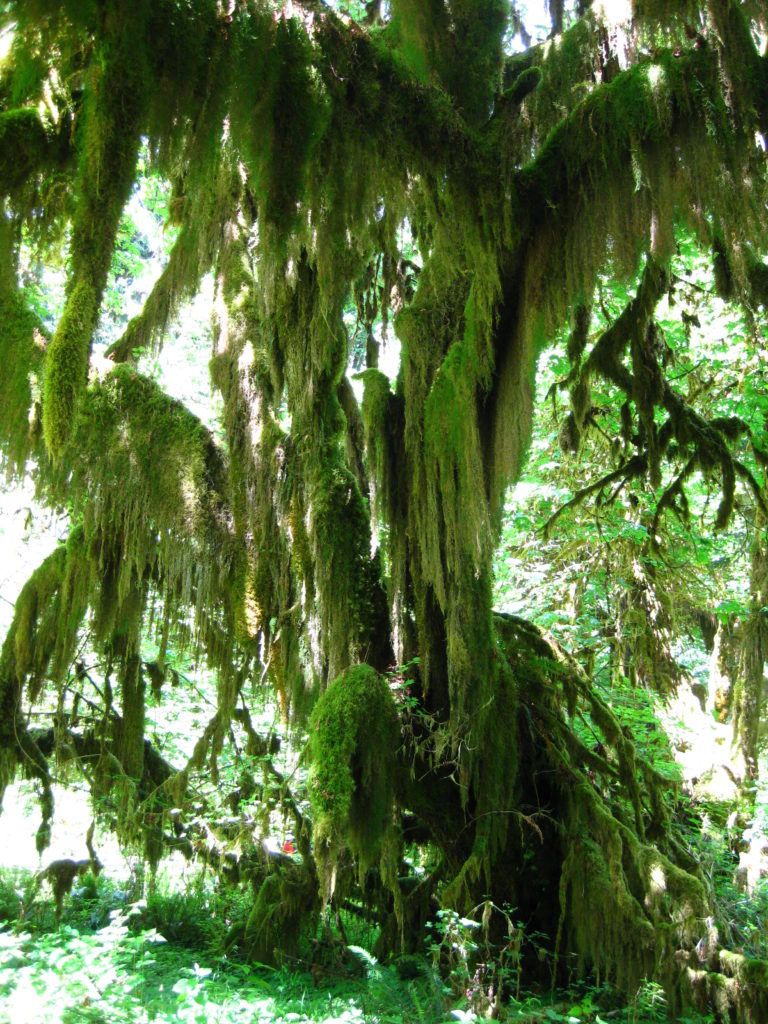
x=61, y=875
x=489, y=784
x=455, y=471
x=617, y=893
x=274, y=550
x=163, y=513
x=125, y=643
x=383, y=421
x=460, y=43
x=351, y=600
x=22, y=655
x=353, y=741
x=114, y=112
x=286, y=903
x=187, y=53
x=41, y=640
x=47, y=614
x=24, y=147
x=177, y=282
x=747, y=691
x=296, y=123
x=626, y=934
x=21, y=351
x=168, y=469
x=644, y=631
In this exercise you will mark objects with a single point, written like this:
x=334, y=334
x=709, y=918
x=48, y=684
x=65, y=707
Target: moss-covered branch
x=706, y=443
x=115, y=108
x=178, y=281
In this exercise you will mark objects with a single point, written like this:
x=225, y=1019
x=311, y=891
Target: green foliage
x=128, y=260
x=109, y=962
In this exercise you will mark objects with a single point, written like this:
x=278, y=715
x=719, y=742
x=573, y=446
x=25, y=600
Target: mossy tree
x=299, y=142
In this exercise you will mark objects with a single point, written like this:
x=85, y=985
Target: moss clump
x=170, y=481
x=353, y=741
x=61, y=875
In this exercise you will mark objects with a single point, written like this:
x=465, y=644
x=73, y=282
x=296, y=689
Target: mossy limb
x=114, y=111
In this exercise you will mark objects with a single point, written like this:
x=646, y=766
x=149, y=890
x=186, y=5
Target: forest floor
x=159, y=960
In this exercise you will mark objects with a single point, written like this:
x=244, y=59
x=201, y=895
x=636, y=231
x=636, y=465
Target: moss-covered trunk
x=130, y=750
x=750, y=683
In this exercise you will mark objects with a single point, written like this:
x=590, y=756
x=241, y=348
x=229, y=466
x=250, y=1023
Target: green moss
x=267, y=506
x=42, y=638
x=460, y=44
x=24, y=147
x=285, y=904
x=296, y=122
x=353, y=741
x=66, y=365
x=21, y=352
x=40, y=643
x=114, y=110
x=323, y=140
x=455, y=471
x=350, y=597
x=525, y=83
x=178, y=281
x=383, y=416
x=30, y=653
x=142, y=477
x=746, y=970
x=164, y=517
x=377, y=416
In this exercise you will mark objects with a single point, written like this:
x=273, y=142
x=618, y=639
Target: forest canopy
x=349, y=173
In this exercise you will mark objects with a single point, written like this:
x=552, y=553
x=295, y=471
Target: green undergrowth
x=111, y=960
x=116, y=959
x=117, y=974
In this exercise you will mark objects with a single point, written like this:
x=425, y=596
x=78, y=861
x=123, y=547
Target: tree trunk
x=748, y=690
